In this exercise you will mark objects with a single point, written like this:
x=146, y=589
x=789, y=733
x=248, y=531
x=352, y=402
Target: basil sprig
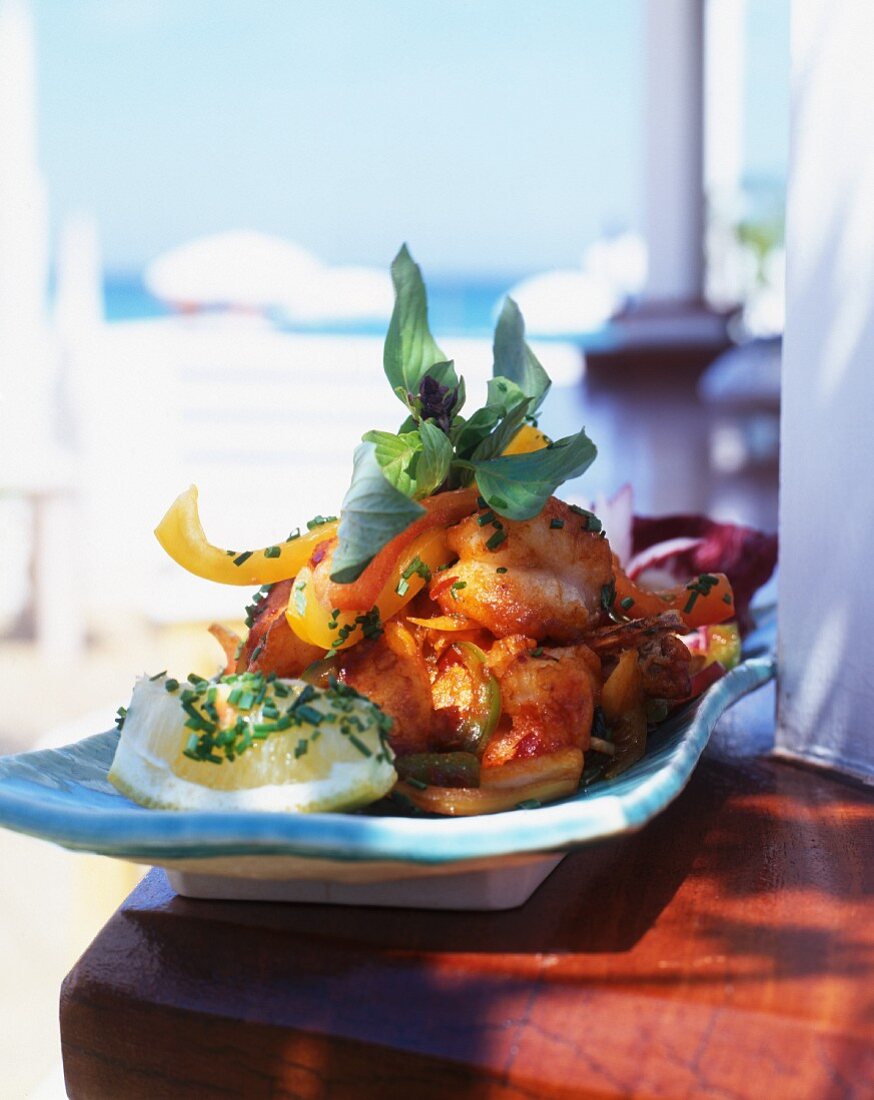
x=436, y=448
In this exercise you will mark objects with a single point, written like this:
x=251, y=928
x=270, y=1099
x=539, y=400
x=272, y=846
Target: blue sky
x=494, y=135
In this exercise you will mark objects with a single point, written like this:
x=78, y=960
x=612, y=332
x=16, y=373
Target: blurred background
x=199, y=203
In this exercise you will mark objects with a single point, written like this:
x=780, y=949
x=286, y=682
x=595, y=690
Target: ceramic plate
x=63, y=795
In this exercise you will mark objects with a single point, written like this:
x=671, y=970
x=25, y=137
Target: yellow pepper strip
x=181, y=534
x=318, y=625
x=527, y=439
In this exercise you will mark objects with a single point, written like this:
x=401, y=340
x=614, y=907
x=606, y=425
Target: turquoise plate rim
x=41, y=795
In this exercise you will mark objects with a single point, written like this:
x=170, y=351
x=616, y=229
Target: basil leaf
x=504, y=393
x=474, y=431
x=515, y=406
x=396, y=456
x=515, y=360
x=435, y=458
x=410, y=349
x=518, y=486
x=373, y=513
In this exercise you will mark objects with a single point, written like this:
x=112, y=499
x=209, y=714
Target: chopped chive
x=556, y=524
x=592, y=522
x=485, y=518
x=359, y=744
x=309, y=714
x=528, y=804
x=319, y=521
x=727, y=598
x=416, y=566
x=456, y=588
x=245, y=701
x=158, y=675
x=501, y=569
x=690, y=603
x=537, y=651
x=627, y=603
x=235, y=696
x=608, y=595
x=495, y=540
x=417, y=783
x=272, y=552
x=244, y=557
x=171, y=685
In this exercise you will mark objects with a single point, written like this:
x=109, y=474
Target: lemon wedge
x=248, y=743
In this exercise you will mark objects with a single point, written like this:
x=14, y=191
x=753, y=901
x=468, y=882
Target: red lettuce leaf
x=747, y=556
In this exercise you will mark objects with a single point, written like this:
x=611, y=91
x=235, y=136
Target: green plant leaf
x=396, y=455
x=515, y=360
x=515, y=407
x=518, y=486
x=434, y=459
x=474, y=431
x=504, y=393
x=373, y=512
x=410, y=349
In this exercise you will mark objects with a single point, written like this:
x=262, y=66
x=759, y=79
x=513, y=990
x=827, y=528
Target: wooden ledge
x=725, y=950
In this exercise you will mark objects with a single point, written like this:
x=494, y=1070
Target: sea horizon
x=459, y=305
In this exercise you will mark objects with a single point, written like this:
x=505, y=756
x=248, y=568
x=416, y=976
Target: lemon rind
x=348, y=786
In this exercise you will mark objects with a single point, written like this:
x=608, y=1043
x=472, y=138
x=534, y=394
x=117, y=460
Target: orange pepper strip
x=694, y=607
x=443, y=510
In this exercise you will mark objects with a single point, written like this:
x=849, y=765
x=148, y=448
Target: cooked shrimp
x=630, y=635
x=272, y=646
x=665, y=665
x=391, y=672
x=665, y=662
x=548, y=700
x=545, y=579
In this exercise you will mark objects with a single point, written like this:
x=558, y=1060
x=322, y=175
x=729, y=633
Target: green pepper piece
x=439, y=769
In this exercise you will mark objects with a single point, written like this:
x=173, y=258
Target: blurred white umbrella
x=249, y=270
x=565, y=303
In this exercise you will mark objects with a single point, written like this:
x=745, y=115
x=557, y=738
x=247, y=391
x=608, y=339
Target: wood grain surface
x=726, y=951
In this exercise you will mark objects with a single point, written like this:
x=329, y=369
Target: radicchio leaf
x=747, y=556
